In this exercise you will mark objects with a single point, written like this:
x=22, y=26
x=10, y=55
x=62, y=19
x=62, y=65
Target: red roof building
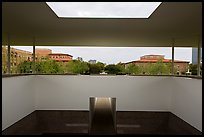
x=60, y=57
x=182, y=66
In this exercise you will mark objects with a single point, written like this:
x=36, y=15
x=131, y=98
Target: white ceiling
x=24, y=20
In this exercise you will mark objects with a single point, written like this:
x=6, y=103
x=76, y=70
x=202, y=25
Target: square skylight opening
x=103, y=9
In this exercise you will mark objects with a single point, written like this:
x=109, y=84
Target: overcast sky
x=104, y=9
x=113, y=55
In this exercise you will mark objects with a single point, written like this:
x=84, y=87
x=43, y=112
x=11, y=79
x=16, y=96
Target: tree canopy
x=49, y=66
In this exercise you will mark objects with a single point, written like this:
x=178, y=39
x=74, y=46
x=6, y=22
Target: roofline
x=140, y=61
x=59, y=54
x=153, y=55
x=21, y=50
x=42, y=49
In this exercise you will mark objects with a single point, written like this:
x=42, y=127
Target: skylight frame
x=50, y=5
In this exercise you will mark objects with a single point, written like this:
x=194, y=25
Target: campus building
x=42, y=53
x=16, y=57
x=180, y=65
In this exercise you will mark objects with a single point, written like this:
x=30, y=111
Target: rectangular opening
x=103, y=9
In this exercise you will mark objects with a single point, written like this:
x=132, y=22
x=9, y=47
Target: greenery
x=112, y=69
x=133, y=69
x=25, y=67
x=96, y=68
x=49, y=66
x=158, y=68
x=76, y=67
x=193, y=69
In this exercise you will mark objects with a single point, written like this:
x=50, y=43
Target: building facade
x=42, y=53
x=181, y=66
x=17, y=56
x=59, y=57
x=47, y=53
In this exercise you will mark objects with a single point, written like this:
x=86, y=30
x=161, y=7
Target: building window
x=4, y=59
x=21, y=59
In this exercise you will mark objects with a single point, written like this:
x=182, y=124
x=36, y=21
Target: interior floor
x=67, y=122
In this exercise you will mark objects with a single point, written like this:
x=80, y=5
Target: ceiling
x=22, y=21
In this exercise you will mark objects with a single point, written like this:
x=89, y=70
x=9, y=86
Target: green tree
x=133, y=69
x=96, y=68
x=25, y=67
x=112, y=69
x=77, y=67
x=121, y=67
x=158, y=68
x=48, y=66
x=193, y=69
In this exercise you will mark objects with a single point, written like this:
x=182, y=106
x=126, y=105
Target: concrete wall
x=23, y=95
x=187, y=100
x=17, y=99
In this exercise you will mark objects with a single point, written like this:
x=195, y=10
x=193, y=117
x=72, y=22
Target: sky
x=114, y=55
x=104, y=9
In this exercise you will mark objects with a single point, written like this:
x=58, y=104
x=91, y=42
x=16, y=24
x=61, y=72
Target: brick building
x=42, y=53
x=181, y=66
x=60, y=57
x=18, y=56
x=47, y=53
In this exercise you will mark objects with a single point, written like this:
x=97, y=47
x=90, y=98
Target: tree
x=121, y=67
x=96, y=68
x=25, y=67
x=133, y=69
x=48, y=66
x=77, y=67
x=193, y=69
x=112, y=69
x=158, y=68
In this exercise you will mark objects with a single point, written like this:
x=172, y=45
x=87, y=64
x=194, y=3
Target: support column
x=172, y=63
x=33, y=56
x=198, y=66
x=9, y=57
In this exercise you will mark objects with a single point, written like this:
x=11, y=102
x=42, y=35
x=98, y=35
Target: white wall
x=132, y=93
x=187, y=100
x=23, y=95
x=17, y=99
